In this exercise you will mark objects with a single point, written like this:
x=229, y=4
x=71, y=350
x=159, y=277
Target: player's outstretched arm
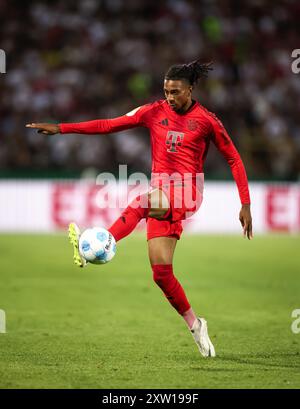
x=46, y=129
x=137, y=117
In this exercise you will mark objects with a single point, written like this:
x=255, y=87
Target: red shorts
x=184, y=201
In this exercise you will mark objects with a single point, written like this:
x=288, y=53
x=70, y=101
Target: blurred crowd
x=71, y=61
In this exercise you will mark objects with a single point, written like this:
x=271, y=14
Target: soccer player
x=181, y=130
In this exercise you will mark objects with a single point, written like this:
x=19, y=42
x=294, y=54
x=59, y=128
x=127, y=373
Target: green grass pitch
x=110, y=326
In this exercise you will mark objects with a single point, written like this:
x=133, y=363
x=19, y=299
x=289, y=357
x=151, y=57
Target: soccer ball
x=97, y=245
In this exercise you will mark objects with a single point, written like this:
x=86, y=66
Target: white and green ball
x=97, y=245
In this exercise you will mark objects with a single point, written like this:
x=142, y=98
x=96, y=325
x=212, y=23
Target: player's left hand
x=246, y=221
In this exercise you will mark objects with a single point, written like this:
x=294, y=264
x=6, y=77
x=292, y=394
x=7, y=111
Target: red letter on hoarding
x=277, y=208
x=61, y=203
x=78, y=202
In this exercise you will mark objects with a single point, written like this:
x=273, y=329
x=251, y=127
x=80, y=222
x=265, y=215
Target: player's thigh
x=161, y=250
x=159, y=203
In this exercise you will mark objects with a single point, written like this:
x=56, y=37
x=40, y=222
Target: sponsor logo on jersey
x=173, y=140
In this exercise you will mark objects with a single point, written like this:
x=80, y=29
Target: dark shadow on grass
x=261, y=359
x=201, y=369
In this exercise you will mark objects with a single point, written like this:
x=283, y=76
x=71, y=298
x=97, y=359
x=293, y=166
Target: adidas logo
x=165, y=122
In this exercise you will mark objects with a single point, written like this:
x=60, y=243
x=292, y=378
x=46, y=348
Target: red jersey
x=179, y=142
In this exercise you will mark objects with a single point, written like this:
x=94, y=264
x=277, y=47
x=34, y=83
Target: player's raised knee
x=159, y=204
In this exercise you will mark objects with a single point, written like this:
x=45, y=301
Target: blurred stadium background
x=73, y=61
x=70, y=61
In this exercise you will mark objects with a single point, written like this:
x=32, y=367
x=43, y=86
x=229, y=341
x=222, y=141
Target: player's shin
x=126, y=223
x=165, y=279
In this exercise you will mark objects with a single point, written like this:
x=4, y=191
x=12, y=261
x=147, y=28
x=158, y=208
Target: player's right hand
x=46, y=129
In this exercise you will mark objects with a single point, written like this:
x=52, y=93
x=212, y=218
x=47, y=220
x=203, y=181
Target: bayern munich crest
x=192, y=125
